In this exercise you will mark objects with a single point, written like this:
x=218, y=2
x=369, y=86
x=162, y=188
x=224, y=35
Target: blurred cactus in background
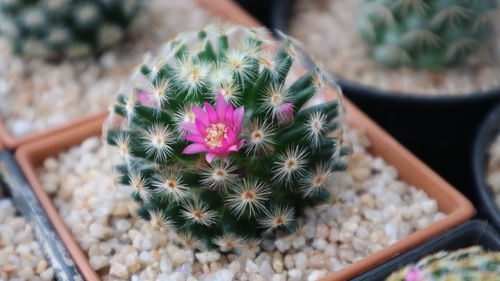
x=53, y=29
x=471, y=263
x=218, y=141
x=425, y=34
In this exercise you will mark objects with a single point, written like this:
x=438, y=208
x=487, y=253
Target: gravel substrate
x=21, y=258
x=37, y=95
x=493, y=177
x=328, y=31
x=372, y=210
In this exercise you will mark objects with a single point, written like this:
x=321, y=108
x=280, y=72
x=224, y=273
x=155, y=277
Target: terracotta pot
x=457, y=208
x=225, y=9
x=13, y=142
x=25, y=201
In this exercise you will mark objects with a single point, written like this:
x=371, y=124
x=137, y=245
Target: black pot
x=468, y=234
x=15, y=184
x=486, y=135
x=439, y=130
x=260, y=9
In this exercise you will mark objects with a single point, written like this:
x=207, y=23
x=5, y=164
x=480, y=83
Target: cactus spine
x=425, y=34
x=217, y=139
x=471, y=263
x=53, y=29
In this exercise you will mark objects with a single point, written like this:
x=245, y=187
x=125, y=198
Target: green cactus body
x=426, y=34
x=218, y=141
x=471, y=263
x=54, y=29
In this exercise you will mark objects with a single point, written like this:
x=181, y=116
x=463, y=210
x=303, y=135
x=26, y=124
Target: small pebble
x=320, y=24
x=332, y=236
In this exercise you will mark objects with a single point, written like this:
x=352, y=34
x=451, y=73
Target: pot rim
x=217, y=7
x=411, y=169
x=479, y=228
x=489, y=129
x=457, y=208
x=12, y=142
x=282, y=8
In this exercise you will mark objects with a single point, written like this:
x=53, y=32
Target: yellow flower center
x=215, y=134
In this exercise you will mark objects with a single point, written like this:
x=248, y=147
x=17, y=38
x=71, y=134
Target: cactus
x=218, y=142
x=425, y=34
x=471, y=263
x=53, y=29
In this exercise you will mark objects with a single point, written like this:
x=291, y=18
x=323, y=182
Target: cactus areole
x=217, y=140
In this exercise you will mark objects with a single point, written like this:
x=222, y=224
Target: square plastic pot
x=485, y=137
x=466, y=235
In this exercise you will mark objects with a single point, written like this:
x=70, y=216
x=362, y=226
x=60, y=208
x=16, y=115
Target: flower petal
x=241, y=144
x=194, y=138
x=239, y=114
x=231, y=136
x=145, y=99
x=229, y=118
x=220, y=106
x=201, y=116
x=200, y=127
x=189, y=127
x=233, y=148
x=212, y=115
x=195, y=148
x=210, y=156
x=225, y=143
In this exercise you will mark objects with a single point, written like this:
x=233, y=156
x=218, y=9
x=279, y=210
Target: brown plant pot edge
x=226, y=9
x=13, y=142
x=412, y=170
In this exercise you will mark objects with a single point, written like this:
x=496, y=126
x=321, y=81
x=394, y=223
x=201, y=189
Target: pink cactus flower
x=215, y=131
x=285, y=112
x=414, y=275
x=145, y=99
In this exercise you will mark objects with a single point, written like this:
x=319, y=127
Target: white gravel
x=37, y=95
x=21, y=258
x=373, y=210
x=328, y=31
x=493, y=176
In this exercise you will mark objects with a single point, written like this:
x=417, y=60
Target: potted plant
x=46, y=89
x=485, y=161
x=53, y=31
x=403, y=83
x=31, y=250
x=468, y=238
x=240, y=74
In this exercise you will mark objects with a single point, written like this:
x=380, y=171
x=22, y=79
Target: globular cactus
x=471, y=263
x=218, y=140
x=425, y=34
x=53, y=29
